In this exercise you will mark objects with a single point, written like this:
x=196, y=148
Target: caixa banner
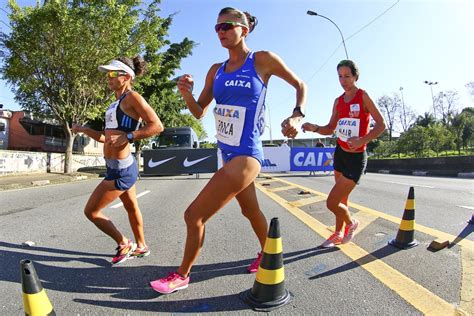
x=179, y=161
x=311, y=159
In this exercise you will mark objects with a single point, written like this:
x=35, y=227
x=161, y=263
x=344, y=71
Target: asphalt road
x=366, y=277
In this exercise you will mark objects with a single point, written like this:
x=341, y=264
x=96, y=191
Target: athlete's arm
x=268, y=64
x=96, y=135
x=327, y=129
x=185, y=86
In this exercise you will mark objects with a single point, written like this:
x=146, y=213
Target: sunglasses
x=115, y=74
x=228, y=25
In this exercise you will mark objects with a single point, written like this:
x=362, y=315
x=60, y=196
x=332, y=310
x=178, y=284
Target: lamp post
x=403, y=105
x=309, y=12
x=431, y=84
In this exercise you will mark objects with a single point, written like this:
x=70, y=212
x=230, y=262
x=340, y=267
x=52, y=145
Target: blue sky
x=414, y=41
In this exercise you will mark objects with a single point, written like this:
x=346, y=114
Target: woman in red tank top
x=350, y=121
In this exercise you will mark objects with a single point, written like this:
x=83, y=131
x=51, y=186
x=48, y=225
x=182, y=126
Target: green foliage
x=415, y=140
x=51, y=56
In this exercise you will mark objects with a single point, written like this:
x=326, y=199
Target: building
x=19, y=130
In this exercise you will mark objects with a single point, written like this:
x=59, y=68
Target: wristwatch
x=130, y=137
x=298, y=109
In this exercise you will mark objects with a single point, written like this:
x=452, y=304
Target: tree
x=50, y=58
x=470, y=88
x=425, y=120
x=463, y=128
x=446, y=104
x=440, y=138
x=415, y=140
x=390, y=108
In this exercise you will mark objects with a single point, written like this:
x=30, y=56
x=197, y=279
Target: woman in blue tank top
x=122, y=127
x=238, y=86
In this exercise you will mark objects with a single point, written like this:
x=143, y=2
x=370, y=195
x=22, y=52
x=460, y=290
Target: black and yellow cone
x=35, y=300
x=268, y=291
x=406, y=234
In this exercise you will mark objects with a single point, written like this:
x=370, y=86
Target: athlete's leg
x=129, y=200
x=103, y=195
x=226, y=183
x=338, y=198
x=249, y=204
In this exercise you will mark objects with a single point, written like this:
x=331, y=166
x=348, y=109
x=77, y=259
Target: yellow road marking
x=311, y=200
x=418, y=227
x=282, y=188
x=415, y=294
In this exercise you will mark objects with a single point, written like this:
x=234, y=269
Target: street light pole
x=309, y=12
x=403, y=104
x=431, y=84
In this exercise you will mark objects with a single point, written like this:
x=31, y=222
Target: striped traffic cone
x=268, y=291
x=405, y=237
x=35, y=300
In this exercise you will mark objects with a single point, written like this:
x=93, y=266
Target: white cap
x=117, y=65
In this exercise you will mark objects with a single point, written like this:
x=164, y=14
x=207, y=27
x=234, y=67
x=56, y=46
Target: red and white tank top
x=353, y=120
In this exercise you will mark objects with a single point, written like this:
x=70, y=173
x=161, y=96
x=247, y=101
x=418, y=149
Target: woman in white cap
x=122, y=127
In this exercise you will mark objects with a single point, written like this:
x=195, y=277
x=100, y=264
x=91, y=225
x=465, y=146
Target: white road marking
x=411, y=185
x=138, y=195
x=468, y=207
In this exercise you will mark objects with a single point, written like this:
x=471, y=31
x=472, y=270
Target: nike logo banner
x=179, y=161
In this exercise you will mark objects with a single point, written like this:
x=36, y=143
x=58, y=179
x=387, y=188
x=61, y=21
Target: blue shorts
x=124, y=172
x=229, y=155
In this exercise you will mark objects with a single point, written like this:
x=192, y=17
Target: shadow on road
x=378, y=254
x=127, y=286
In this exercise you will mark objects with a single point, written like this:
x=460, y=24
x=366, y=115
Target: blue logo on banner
x=268, y=163
x=312, y=159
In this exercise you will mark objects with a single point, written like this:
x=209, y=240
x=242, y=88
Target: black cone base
x=400, y=245
x=259, y=306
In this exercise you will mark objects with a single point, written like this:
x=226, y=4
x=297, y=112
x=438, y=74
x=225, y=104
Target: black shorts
x=351, y=165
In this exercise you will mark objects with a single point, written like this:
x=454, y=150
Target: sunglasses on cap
x=115, y=74
x=228, y=25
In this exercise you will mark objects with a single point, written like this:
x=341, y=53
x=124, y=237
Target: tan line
x=415, y=294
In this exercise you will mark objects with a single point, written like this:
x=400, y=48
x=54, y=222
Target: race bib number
x=111, y=116
x=229, y=123
x=347, y=128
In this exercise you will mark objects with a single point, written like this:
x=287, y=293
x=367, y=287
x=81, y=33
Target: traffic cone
x=405, y=237
x=35, y=300
x=268, y=291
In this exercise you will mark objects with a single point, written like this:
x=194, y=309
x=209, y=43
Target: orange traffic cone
x=268, y=291
x=405, y=237
x=35, y=300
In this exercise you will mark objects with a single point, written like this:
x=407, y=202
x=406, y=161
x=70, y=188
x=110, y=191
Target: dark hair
x=137, y=63
x=245, y=17
x=351, y=65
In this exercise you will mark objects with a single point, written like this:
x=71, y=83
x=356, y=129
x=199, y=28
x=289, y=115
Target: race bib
x=111, y=116
x=347, y=128
x=229, y=123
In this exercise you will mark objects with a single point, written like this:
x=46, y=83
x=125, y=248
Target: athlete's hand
x=309, y=127
x=77, y=128
x=355, y=142
x=185, y=84
x=290, y=127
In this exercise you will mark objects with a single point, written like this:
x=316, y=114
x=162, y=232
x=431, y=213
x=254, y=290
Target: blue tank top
x=240, y=108
x=117, y=119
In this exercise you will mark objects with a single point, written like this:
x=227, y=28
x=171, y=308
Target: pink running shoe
x=349, y=231
x=252, y=268
x=333, y=240
x=173, y=282
x=124, y=252
x=140, y=252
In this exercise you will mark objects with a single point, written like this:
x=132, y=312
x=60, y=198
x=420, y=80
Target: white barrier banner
x=276, y=159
